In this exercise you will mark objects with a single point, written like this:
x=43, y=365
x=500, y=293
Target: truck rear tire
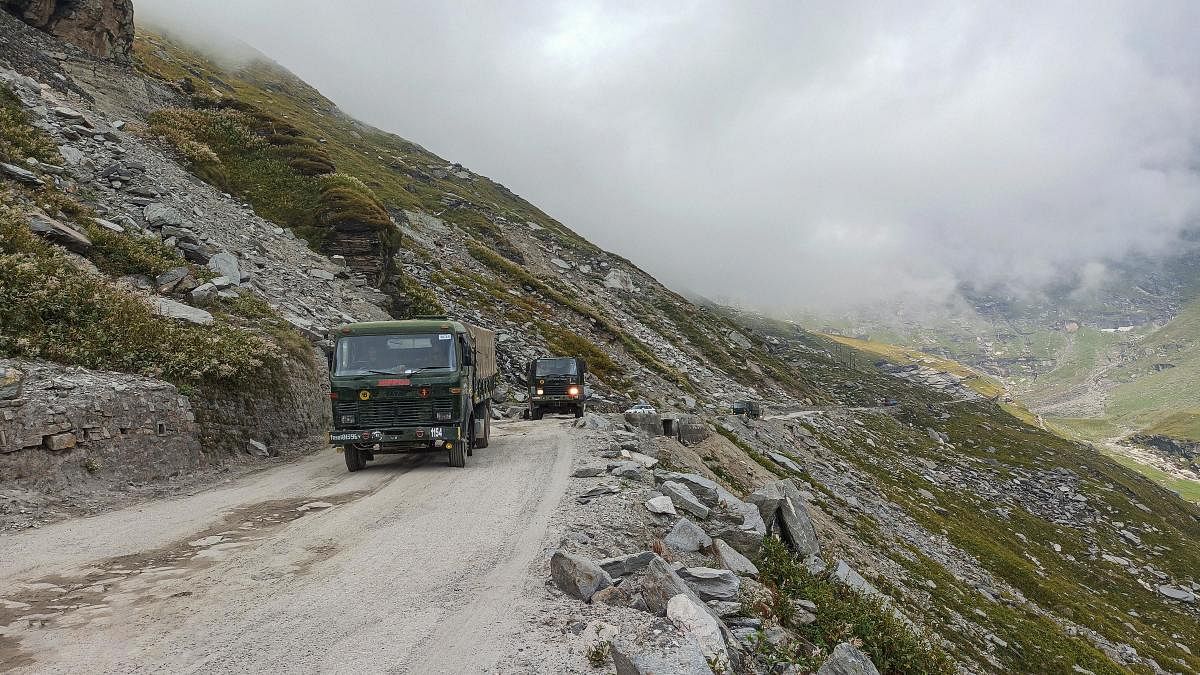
x=354, y=459
x=458, y=455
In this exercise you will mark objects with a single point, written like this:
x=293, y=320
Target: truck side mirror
x=582, y=366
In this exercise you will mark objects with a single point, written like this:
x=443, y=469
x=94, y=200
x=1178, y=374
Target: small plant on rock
x=597, y=654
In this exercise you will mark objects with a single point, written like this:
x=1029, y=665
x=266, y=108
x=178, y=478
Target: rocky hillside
x=183, y=232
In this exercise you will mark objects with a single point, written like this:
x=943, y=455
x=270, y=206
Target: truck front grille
x=380, y=414
x=555, y=387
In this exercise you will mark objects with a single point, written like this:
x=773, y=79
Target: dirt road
x=406, y=566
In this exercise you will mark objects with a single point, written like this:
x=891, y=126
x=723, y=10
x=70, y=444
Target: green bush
x=18, y=138
x=54, y=311
x=843, y=615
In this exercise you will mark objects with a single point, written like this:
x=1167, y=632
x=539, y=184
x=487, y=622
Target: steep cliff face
x=103, y=28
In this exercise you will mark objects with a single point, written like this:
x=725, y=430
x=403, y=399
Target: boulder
x=696, y=621
x=683, y=498
x=687, y=536
x=632, y=471
x=780, y=503
x=577, y=576
x=594, y=422
x=588, y=472
x=1177, y=593
x=623, y=566
x=167, y=281
x=10, y=382
x=712, y=584
x=660, y=505
x=59, y=233
x=226, y=264
x=21, y=175
x=847, y=659
x=785, y=461
x=706, y=490
x=662, y=655
x=203, y=293
x=732, y=560
x=160, y=215
x=844, y=573
x=177, y=310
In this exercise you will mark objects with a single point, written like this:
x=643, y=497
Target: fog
x=788, y=155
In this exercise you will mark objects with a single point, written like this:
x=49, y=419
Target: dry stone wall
x=61, y=424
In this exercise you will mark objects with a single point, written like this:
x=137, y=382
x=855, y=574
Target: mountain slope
x=1009, y=548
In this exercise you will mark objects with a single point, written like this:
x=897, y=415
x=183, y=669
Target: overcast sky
x=790, y=154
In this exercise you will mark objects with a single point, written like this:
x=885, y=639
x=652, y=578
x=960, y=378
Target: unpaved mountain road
x=416, y=567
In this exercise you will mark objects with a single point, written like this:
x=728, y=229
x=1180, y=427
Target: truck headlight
x=540, y=392
x=573, y=391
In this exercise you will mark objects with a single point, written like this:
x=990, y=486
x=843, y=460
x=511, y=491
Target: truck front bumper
x=415, y=436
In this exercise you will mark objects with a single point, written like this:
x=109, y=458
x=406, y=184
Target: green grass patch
x=843, y=615
x=19, y=139
x=55, y=311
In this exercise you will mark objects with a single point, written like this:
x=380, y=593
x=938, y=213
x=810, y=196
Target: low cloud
x=785, y=154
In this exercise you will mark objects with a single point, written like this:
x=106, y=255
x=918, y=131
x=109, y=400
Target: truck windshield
x=556, y=367
x=394, y=354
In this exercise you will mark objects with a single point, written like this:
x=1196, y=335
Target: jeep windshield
x=395, y=354
x=556, y=367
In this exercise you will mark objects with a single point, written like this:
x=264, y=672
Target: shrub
x=18, y=138
x=54, y=311
x=844, y=615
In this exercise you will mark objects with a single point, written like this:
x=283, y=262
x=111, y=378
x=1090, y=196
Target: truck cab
x=556, y=385
x=401, y=386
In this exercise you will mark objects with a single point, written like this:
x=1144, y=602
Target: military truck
x=751, y=409
x=556, y=386
x=403, y=386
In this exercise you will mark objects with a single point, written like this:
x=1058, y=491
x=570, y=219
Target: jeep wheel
x=354, y=460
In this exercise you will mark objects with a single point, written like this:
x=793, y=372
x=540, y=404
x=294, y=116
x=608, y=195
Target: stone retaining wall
x=66, y=424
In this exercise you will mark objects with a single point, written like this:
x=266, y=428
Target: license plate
x=350, y=437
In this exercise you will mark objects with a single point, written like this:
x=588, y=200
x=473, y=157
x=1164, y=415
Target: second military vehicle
x=751, y=409
x=421, y=384
x=556, y=386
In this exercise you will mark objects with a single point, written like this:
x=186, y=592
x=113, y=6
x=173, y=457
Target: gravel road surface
x=407, y=566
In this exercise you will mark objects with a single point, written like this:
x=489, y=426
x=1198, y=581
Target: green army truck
x=404, y=386
x=556, y=386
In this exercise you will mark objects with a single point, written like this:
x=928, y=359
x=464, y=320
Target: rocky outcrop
x=103, y=28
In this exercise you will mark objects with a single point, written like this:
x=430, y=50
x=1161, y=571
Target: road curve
x=414, y=568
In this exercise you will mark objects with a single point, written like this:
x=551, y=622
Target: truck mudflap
x=399, y=435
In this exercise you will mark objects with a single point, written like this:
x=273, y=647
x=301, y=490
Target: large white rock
x=695, y=621
x=177, y=310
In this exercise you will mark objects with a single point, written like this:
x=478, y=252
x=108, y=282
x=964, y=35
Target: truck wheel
x=579, y=411
x=458, y=455
x=486, y=411
x=354, y=460
x=537, y=413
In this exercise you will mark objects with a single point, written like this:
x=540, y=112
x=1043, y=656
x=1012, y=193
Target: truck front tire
x=579, y=411
x=458, y=455
x=354, y=458
x=536, y=414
